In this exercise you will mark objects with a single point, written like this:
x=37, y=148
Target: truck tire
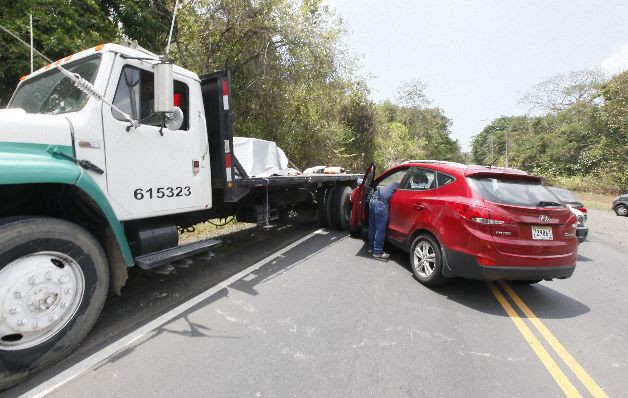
x=339, y=211
x=321, y=198
x=54, y=280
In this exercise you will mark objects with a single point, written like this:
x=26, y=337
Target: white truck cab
x=149, y=158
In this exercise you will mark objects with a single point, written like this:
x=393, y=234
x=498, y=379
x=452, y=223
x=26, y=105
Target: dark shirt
x=383, y=194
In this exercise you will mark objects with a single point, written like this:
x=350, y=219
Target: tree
x=615, y=114
x=147, y=21
x=411, y=94
x=562, y=90
x=60, y=28
x=290, y=82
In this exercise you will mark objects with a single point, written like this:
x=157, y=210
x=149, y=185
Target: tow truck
x=105, y=155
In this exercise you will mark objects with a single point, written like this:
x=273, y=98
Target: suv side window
x=135, y=95
x=420, y=179
x=394, y=177
x=443, y=179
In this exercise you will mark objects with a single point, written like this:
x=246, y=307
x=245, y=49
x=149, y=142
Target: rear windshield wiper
x=547, y=203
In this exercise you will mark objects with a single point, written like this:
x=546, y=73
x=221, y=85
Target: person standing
x=378, y=218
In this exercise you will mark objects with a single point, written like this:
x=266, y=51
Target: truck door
x=153, y=171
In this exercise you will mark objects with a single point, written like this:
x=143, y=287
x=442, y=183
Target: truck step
x=152, y=260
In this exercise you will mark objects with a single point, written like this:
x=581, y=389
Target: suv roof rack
x=434, y=161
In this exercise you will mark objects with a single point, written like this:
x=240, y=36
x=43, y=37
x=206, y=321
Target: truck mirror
x=164, y=91
x=174, y=121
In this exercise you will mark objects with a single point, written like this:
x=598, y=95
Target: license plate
x=542, y=233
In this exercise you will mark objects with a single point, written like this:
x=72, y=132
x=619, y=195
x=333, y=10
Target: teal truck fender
x=22, y=163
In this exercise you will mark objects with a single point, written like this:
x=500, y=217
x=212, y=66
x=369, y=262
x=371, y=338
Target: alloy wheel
x=424, y=259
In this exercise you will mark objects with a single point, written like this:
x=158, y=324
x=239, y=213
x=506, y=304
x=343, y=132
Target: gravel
x=608, y=226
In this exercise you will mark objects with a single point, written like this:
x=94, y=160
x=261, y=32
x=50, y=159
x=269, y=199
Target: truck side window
x=135, y=95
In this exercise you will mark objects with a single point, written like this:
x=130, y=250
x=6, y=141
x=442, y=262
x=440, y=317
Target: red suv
x=475, y=222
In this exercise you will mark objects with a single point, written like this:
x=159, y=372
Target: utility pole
x=492, y=141
x=492, y=150
x=31, y=28
x=507, y=147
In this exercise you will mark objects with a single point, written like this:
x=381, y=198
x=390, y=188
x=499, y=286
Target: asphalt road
x=322, y=318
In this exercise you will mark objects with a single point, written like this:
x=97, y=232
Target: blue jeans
x=378, y=218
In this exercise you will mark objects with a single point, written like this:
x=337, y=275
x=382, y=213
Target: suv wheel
x=621, y=210
x=426, y=260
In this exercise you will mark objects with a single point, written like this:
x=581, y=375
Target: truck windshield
x=52, y=92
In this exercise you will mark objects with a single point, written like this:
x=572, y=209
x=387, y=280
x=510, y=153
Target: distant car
x=569, y=199
x=475, y=222
x=582, y=231
x=620, y=205
x=577, y=208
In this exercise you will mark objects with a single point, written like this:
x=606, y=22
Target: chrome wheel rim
x=622, y=210
x=424, y=259
x=39, y=294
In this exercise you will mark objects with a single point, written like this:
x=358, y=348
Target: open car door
x=359, y=201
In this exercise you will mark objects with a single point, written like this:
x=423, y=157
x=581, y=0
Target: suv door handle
x=419, y=206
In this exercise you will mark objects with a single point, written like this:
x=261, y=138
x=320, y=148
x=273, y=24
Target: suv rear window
x=514, y=192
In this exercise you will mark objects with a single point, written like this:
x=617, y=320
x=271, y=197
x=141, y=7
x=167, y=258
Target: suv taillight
x=477, y=214
x=583, y=210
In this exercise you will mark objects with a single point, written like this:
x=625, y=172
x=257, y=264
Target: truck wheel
x=54, y=279
x=321, y=198
x=426, y=260
x=339, y=211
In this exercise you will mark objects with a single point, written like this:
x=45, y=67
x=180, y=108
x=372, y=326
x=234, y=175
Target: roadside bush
x=607, y=183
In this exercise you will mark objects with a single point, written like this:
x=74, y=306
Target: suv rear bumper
x=466, y=266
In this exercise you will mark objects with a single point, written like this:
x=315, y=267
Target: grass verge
x=212, y=228
x=598, y=201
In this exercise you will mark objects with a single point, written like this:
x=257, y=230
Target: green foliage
x=290, y=82
x=602, y=183
x=293, y=82
x=405, y=133
x=60, y=28
x=147, y=21
x=581, y=146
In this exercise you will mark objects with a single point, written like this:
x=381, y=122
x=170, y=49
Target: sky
x=479, y=57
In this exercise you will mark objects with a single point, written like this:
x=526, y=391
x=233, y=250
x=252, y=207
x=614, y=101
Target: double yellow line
x=563, y=381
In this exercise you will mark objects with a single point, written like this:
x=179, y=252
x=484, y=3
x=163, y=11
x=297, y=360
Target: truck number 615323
x=161, y=192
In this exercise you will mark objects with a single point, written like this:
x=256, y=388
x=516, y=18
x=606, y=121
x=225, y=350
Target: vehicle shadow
x=545, y=302
x=147, y=295
x=248, y=284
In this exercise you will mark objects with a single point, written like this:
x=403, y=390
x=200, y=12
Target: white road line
x=73, y=372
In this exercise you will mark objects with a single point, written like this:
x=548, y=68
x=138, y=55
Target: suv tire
x=426, y=260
